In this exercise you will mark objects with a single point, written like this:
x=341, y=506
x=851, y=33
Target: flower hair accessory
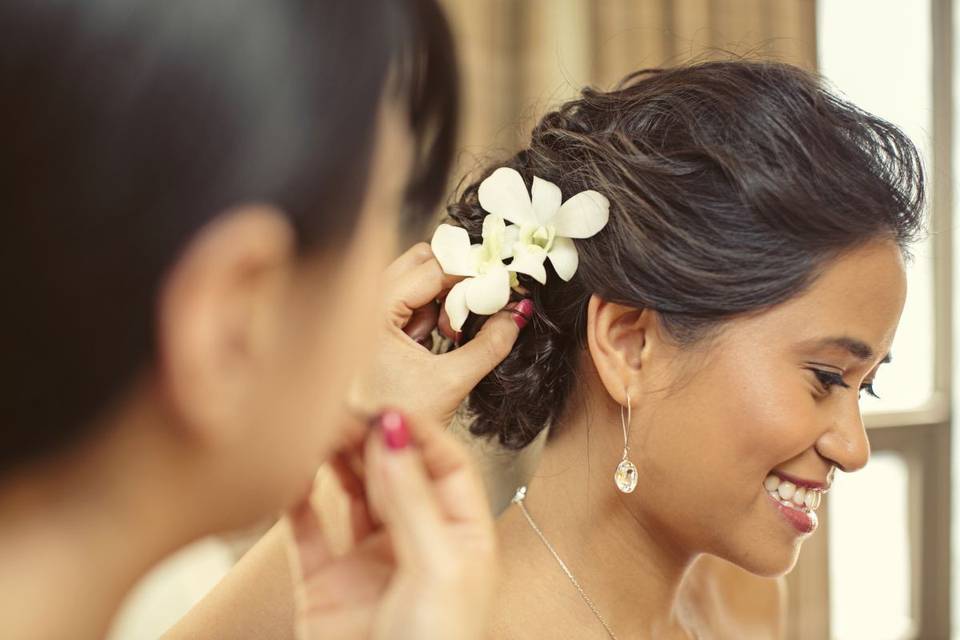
x=543, y=228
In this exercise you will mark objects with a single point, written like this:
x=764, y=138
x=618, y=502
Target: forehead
x=859, y=296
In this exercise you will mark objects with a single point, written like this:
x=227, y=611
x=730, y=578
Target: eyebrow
x=858, y=348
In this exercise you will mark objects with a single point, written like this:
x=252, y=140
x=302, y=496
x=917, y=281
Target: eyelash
x=830, y=379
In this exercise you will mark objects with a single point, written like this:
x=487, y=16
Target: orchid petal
x=529, y=259
x=490, y=292
x=505, y=194
x=564, y=257
x=456, y=305
x=493, y=237
x=510, y=236
x=546, y=200
x=583, y=215
x=493, y=227
x=451, y=246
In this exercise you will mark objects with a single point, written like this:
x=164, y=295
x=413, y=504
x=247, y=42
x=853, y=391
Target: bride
x=740, y=238
x=715, y=259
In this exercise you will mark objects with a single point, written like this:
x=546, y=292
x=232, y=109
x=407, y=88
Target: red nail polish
x=523, y=312
x=395, y=432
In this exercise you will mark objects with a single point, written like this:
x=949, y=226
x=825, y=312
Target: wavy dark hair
x=732, y=185
x=128, y=125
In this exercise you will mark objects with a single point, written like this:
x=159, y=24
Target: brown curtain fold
x=521, y=57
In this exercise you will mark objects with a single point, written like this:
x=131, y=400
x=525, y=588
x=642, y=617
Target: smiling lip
x=805, y=522
x=800, y=482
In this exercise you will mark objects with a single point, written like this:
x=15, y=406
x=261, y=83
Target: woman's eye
x=829, y=379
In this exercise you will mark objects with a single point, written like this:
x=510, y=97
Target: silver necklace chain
x=518, y=499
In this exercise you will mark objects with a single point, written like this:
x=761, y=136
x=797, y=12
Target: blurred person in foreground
x=200, y=200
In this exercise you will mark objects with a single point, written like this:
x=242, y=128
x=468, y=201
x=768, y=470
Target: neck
x=630, y=571
x=77, y=533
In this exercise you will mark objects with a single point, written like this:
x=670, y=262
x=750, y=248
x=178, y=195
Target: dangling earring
x=626, y=474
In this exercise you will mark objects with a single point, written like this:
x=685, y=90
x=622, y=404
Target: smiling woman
x=746, y=289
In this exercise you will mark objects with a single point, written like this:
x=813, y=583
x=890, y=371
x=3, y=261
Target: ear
x=219, y=311
x=620, y=342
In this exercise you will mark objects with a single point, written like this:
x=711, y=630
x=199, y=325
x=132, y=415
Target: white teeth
x=786, y=490
x=790, y=495
x=799, y=496
x=771, y=483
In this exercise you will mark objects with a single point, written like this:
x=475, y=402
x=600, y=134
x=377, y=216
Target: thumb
x=475, y=359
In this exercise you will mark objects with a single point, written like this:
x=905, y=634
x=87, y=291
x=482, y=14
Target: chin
x=776, y=561
x=271, y=496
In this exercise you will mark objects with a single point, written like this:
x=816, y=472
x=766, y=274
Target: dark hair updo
x=731, y=186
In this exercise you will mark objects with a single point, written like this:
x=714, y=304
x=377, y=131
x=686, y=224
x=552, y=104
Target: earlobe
x=617, y=338
x=217, y=308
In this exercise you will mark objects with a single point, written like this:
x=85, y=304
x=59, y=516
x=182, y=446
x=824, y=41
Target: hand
x=406, y=374
x=422, y=563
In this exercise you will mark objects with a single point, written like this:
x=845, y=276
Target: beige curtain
x=520, y=57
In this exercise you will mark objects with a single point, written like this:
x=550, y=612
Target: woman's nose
x=845, y=442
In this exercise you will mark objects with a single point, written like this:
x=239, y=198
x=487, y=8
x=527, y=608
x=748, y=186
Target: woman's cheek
x=745, y=418
x=779, y=423
x=348, y=316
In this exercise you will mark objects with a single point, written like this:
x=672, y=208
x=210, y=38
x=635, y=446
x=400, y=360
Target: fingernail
x=395, y=432
x=457, y=339
x=522, y=312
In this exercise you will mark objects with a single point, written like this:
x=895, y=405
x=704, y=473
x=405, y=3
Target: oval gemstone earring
x=625, y=476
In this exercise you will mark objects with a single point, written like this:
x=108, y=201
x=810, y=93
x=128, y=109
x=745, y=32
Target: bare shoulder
x=731, y=602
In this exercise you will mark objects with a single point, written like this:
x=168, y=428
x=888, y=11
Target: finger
x=457, y=486
x=416, y=288
x=361, y=521
x=310, y=547
x=443, y=325
x=421, y=324
x=350, y=480
x=409, y=259
x=468, y=364
x=401, y=492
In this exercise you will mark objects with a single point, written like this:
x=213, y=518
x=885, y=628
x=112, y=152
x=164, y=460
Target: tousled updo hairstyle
x=731, y=185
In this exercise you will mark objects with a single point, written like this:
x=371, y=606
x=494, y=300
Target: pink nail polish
x=523, y=312
x=396, y=435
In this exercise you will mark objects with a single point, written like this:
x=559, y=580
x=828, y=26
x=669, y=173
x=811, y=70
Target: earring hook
x=625, y=477
x=625, y=424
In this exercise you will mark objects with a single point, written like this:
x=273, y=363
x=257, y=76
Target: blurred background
x=881, y=567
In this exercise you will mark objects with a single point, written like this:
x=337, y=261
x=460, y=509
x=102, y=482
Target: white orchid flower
x=486, y=288
x=543, y=227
